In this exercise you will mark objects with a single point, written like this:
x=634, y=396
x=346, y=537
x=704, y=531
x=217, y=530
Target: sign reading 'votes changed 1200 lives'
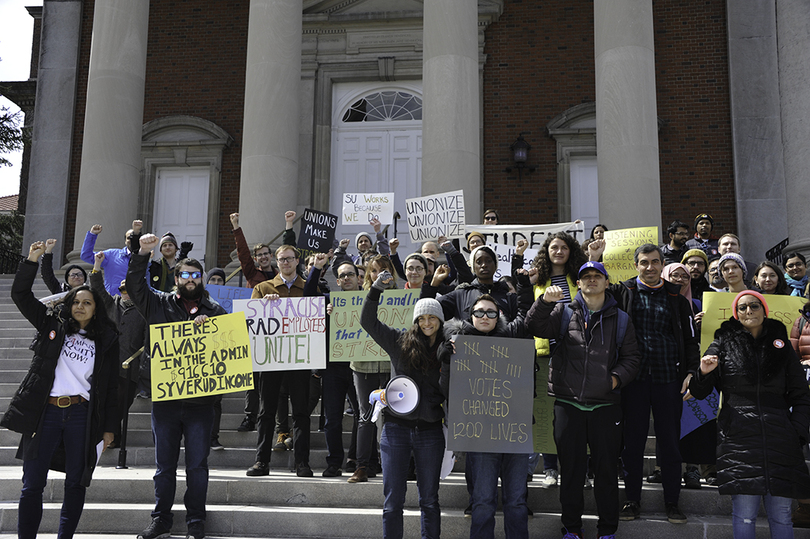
x=491, y=392
x=195, y=360
x=286, y=334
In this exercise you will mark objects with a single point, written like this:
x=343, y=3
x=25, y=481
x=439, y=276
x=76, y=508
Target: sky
x=15, y=64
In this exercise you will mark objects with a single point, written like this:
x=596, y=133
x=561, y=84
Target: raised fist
x=553, y=294
x=148, y=242
x=49, y=245
x=235, y=220
x=95, y=229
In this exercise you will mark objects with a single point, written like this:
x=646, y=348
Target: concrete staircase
x=282, y=505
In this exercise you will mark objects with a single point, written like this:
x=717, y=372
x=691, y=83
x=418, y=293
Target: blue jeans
x=68, y=425
x=486, y=468
x=396, y=445
x=171, y=421
x=744, y=509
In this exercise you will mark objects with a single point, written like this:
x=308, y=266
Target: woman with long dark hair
x=66, y=406
x=768, y=279
x=416, y=353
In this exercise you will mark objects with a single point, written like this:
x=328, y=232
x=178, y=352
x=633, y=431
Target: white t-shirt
x=74, y=369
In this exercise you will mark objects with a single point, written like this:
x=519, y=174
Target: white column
x=269, y=182
x=626, y=114
x=109, y=182
x=450, y=118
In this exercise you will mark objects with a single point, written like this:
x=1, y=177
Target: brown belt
x=64, y=401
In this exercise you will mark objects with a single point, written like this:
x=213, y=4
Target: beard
x=191, y=295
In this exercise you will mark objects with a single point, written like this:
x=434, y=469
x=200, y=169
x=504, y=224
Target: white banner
x=534, y=234
x=505, y=254
x=360, y=208
x=436, y=215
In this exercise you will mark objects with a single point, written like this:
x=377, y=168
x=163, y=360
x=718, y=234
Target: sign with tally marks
x=286, y=334
x=195, y=360
x=491, y=393
x=436, y=215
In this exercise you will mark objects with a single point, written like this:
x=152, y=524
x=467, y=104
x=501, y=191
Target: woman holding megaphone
x=416, y=353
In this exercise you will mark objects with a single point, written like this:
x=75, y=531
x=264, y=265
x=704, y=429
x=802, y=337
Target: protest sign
x=195, y=360
x=534, y=234
x=491, y=391
x=505, y=253
x=348, y=341
x=317, y=232
x=436, y=215
x=360, y=208
x=286, y=334
x=699, y=412
x=224, y=295
x=620, y=246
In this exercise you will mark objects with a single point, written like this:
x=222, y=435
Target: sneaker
x=302, y=469
x=280, y=445
x=196, y=530
x=611, y=536
x=260, y=468
x=351, y=466
x=655, y=477
x=288, y=442
x=248, y=425
x=801, y=516
x=675, y=515
x=550, y=480
x=216, y=446
x=691, y=479
x=332, y=471
x=572, y=535
x=468, y=511
x=157, y=529
x=359, y=476
x=630, y=511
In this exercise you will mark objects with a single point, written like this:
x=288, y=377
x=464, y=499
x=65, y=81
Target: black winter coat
x=27, y=408
x=759, y=448
x=459, y=302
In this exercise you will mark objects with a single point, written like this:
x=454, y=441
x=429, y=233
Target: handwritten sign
x=317, y=232
x=491, y=392
x=286, y=334
x=505, y=253
x=436, y=215
x=534, y=234
x=360, y=208
x=190, y=360
x=224, y=295
x=697, y=413
x=348, y=341
x=621, y=246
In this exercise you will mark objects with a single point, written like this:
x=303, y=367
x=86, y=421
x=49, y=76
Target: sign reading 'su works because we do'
x=360, y=208
x=286, y=334
x=436, y=215
x=195, y=360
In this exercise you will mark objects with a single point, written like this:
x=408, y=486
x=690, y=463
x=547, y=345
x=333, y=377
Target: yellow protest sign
x=190, y=360
x=620, y=245
x=717, y=309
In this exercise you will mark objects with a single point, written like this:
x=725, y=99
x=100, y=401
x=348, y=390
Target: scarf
x=798, y=286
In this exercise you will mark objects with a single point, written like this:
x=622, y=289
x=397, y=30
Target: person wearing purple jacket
x=116, y=261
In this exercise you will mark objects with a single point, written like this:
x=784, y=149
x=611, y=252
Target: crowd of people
x=612, y=352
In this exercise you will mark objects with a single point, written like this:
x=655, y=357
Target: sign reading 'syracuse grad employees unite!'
x=286, y=334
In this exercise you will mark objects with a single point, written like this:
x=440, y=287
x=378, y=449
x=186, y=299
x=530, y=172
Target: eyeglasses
x=346, y=275
x=75, y=274
x=753, y=307
x=695, y=263
x=415, y=269
x=262, y=255
x=478, y=313
x=286, y=259
x=794, y=265
x=192, y=274
x=490, y=218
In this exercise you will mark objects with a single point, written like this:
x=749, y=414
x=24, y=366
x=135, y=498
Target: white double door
x=181, y=206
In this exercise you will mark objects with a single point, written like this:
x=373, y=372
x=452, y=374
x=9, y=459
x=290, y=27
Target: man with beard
x=703, y=240
x=678, y=235
x=697, y=262
x=716, y=282
x=189, y=418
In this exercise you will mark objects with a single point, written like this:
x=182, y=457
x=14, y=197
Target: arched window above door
x=385, y=106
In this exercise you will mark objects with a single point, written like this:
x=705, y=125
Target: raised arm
x=144, y=298
x=97, y=283
x=252, y=274
x=90, y=243
x=21, y=293
x=46, y=268
x=387, y=337
x=288, y=238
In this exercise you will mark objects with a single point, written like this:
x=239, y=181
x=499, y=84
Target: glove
x=384, y=280
x=185, y=248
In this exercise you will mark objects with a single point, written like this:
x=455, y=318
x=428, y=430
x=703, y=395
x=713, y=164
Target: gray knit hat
x=737, y=259
x=427, y=306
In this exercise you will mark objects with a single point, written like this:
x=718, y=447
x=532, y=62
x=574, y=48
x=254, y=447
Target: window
x=385, y=107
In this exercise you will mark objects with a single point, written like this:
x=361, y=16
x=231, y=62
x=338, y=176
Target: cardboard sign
x=190, y=360
x=436, y=215
x=505, y=253
x=491, y=392
x=224, y=295
x=697, y=413
x=360, y=208
x=621, y=246
x=286, y=334
x=317, y=232
x=348, y=341
x=534, y=234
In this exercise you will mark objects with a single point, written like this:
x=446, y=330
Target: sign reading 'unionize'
x=436, y=215
x=491, y=392
x=194, y=360
x=286, y=334
x=360, y=208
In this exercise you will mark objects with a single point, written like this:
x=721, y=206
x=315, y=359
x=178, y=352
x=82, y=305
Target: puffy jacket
x=760, y=438
x=27, y=407
x=801, y=339
x=584, y=361
x=459, y=302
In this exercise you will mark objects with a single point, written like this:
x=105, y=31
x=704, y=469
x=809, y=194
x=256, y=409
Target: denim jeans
x=486, y=468
x=171, y=421
x=68, y=425
x=337, y=383
x=396, y=445
x=744, y=509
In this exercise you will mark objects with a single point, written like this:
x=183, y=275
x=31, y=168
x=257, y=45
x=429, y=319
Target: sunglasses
x=192, y=274
x=478, y=313
x=753, y=307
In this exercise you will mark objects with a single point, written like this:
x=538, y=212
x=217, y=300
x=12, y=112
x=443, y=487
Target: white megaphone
x=401, y=396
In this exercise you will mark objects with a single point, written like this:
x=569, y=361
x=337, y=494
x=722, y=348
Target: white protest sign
x=534, y=234
x=436, y=215
x=505, y=253
x=360, y=208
